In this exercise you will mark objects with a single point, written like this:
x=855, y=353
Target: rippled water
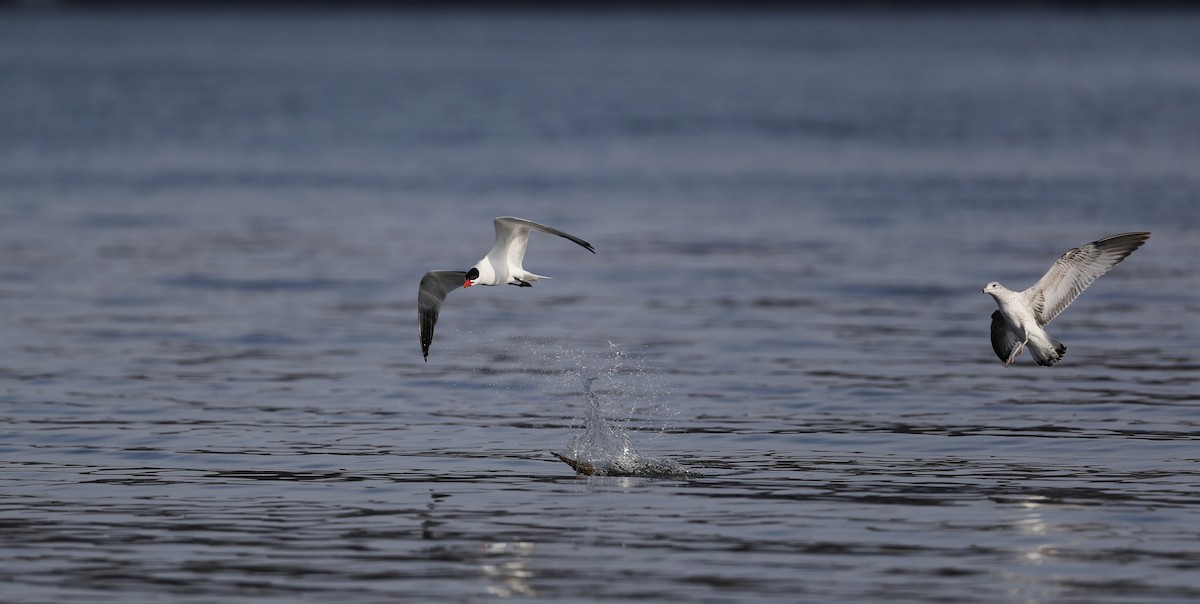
x=212, y=226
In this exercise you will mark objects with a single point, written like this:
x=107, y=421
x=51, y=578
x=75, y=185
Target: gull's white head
x=992, y=288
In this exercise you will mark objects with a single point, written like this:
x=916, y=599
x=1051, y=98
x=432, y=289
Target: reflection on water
x=1030, y=522
x=511, y=569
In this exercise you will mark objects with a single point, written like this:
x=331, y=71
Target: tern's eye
x=473, y=273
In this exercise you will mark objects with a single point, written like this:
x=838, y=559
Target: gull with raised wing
x=501, y=265
x=1018, y=323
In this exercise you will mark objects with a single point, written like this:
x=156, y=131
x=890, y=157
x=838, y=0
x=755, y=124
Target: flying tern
x=501, y=265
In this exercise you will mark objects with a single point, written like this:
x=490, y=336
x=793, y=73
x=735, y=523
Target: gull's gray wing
x=434, y=287
x=512, y=237
x=1076, y=270
x=1004, y=339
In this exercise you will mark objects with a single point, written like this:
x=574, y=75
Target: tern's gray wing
x=1076, y=270
x=1004, y=338
x=434, y=287
x=512, y=237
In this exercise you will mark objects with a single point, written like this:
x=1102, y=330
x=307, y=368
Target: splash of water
x=604, y=448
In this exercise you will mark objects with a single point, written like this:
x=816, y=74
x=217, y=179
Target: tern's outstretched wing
x=434, y=287
x=1076, y=270
x=512, y=237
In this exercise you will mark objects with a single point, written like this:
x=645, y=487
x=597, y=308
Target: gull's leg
x=1017, y=351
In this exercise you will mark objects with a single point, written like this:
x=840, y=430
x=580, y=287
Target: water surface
x=212, y=227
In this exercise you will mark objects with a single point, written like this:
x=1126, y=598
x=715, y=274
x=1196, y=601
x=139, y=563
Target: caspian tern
x=1018, y=323
x=501, y=265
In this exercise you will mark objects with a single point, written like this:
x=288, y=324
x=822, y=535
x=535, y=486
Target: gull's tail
x=1048, y=355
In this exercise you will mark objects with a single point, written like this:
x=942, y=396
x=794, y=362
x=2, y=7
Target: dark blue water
x=212, y=227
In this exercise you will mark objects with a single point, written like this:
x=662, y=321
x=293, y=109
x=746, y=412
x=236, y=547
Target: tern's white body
x=504, y=263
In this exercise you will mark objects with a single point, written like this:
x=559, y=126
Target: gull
x=501, y=265
x=1018, y=323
